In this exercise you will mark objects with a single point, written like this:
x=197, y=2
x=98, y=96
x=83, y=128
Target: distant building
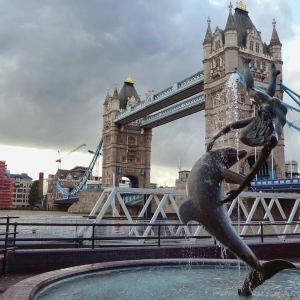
x=291, y=168
x=6, y=187
x=67, y=179
x=180, y=184
x=22, y=186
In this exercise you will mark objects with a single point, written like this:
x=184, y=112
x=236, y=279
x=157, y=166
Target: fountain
x=195, y=278
x=168, y=282
x=205, y=184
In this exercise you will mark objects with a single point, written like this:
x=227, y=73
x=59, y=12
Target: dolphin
x=205, y=193
x=272, y=85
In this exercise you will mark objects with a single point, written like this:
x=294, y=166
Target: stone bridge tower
x=126, y=149
x=221, y=56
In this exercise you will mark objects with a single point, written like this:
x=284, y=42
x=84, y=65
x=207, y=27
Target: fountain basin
x=38, y=286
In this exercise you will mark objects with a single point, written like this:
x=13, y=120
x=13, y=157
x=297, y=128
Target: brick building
x=6, y=187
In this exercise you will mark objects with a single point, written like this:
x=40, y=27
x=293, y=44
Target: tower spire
x=230, y=21
x=116, y=95
x=274, y=38
x=107, y=97
x=208, y=35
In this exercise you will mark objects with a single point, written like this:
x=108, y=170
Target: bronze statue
x=262, y=130
x=205, y=192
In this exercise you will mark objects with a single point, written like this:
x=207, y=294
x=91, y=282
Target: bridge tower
x=221, y=56
x=126, y=149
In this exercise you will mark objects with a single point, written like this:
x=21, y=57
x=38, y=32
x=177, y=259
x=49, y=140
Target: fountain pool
x=182, y=279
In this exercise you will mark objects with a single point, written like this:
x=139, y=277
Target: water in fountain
x=229, y=97
x=175, y=282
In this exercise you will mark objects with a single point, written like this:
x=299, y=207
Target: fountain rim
x=29, y=288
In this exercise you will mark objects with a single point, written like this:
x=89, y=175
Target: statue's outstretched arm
x=235, y=125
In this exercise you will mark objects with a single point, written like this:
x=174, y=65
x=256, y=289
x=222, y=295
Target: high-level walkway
x=173, y=94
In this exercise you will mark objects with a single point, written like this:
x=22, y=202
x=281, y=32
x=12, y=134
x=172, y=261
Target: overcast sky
x=57, y=59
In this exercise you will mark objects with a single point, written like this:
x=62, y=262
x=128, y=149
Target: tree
x=33, y=194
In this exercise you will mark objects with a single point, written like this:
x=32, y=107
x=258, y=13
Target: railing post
x=5, y=246
x=6, y=231
x=93, y=236
x=261, y=232
x=15, y=233
x=159, y=235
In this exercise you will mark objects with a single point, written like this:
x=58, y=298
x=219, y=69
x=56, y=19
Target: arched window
x=218, y=62
x=264, y=66
x=258, y=64
x=257, y=47
x=251, y=46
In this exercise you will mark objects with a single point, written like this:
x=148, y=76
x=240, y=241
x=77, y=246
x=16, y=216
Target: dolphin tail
x=256, y=278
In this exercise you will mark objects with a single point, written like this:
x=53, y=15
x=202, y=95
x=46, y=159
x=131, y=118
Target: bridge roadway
x=177, y=92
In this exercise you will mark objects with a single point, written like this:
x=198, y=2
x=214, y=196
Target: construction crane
x=60, y=158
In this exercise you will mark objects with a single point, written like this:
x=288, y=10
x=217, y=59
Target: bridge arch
x=134, y=180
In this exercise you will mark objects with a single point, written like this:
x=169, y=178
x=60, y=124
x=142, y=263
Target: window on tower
x=251, y=46
x=257, y=47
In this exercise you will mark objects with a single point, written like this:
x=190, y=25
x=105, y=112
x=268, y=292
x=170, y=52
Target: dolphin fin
x=187, y=211
x=256, y=278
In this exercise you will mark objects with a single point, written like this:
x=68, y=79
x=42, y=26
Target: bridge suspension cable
x=81, y=183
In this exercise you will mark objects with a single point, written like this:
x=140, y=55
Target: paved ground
x=9, y=280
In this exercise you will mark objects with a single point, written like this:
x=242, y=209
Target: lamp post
x=114, y=199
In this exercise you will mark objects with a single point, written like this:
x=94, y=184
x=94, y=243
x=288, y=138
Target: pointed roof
x=127, y=91
x=274, y=38
x=107, y=97
x=116, y=95
x=208, y=35
x=242, y=22
x=230, y=21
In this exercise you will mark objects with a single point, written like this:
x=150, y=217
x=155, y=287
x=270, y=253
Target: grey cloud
x=58, y=58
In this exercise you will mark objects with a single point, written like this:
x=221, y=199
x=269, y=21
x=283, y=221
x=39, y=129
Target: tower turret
x=231, y=43
x=207, y=44
x=275, y=50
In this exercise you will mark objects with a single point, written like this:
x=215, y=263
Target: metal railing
x=159, y=233
x=9, y=243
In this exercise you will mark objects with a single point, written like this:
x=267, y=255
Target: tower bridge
x=128, y=120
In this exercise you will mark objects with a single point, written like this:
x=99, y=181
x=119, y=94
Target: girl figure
x=262, y=130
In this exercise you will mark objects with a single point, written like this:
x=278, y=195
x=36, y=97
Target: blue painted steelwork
x=66, y=200
x=174, y=89
x=85, y=177
x=241, y=78
x=290, y=92
x=130, y=198
x=285, y=184
x=173, y=109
